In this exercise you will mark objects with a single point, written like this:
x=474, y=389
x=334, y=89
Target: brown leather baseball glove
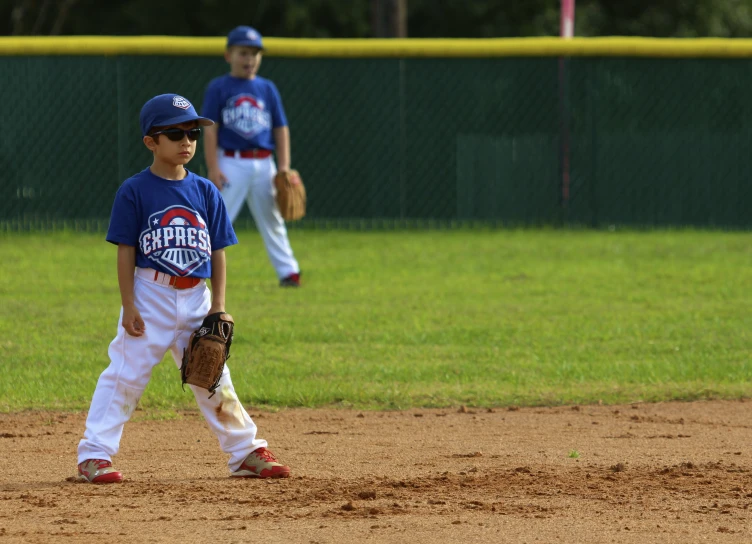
x=208, y=350
x=291, y=195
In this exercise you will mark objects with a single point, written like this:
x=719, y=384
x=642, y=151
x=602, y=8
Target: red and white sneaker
x=98, y=471
x=261, y=463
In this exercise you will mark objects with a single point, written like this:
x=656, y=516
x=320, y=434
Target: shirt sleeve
x=211, y=107
x=123, y=228
x=220, y=227
x=279, y=119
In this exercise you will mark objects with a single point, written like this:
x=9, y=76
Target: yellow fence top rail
x=360, y=48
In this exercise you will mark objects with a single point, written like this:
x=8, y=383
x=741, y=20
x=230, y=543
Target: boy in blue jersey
x=171, y=228
x=250, y=125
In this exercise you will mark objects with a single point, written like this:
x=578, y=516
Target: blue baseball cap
x=169, y=109
x=244, y=35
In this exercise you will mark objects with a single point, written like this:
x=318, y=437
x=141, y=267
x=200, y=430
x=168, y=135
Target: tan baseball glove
x=208, y=350
x=291, y=195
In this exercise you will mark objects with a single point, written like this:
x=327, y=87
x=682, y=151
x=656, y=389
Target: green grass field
x=412, y=318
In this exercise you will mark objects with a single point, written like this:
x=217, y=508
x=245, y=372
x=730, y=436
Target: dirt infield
x=677, y=472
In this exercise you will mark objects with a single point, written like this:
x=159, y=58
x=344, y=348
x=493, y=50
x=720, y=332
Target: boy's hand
x=132, y=322
x=217, y=178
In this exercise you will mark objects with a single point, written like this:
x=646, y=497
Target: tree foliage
x=353, y=18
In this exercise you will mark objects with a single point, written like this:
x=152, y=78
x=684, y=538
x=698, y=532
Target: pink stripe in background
x=566, y=27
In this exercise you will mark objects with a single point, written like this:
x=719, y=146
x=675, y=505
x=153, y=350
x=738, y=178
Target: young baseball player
x=171, y=228
x=250, y=124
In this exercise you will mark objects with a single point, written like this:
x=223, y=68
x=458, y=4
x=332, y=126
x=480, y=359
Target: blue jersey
x=174, y=224
x=246, y=110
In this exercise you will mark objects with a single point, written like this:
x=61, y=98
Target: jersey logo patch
x=177, y=239
x=180, y=102
x=246, y=115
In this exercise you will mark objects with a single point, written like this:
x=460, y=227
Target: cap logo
x=252, y=35
x=180, y=102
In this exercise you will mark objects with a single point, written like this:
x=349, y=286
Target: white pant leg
x=132, y=359
x=224, y=413
x=226, y=417
x=238, y=184
x=263, y=206
x=252, y=180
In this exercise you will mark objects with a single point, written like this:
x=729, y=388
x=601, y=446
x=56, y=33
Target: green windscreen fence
x=521, y=141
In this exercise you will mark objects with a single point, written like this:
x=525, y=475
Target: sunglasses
x=177, y=134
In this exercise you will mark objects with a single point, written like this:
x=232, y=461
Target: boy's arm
x=282, y=143
x=218, y=280
x=126, y=265
x=214, y=174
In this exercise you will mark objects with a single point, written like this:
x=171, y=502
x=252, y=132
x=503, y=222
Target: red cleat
x=293, y=280
x=98, y=471
x=261, y=463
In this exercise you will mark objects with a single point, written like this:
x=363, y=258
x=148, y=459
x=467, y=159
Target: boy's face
x=244, y=61
x=175, y=153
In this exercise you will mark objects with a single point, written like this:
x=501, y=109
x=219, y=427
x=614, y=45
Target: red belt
x=179, y=282
x=248, y=153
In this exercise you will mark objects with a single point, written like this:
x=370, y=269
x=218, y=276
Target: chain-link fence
x=533, y=140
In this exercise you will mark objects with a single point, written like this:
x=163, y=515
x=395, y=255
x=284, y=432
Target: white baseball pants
x=251, y=181
x=170, y=316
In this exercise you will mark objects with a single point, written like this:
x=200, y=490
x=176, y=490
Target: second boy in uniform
x=250, y=126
